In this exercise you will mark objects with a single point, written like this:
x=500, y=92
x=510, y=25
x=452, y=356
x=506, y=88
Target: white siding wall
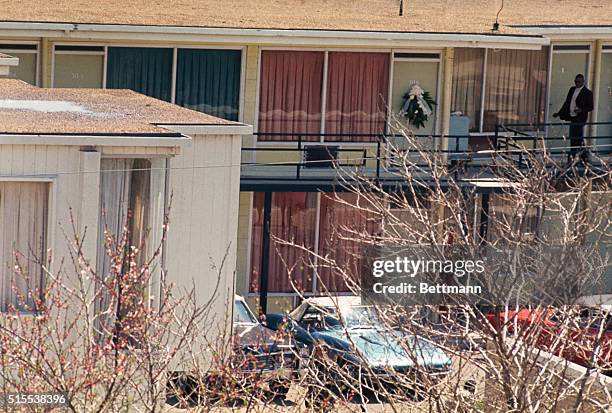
x=201, y=246
x=204, y=183
x=61, y=165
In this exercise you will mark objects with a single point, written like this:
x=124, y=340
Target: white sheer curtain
x=23, y=226
x=124, y=216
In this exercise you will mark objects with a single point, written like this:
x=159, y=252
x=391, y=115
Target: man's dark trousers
x=576, y=134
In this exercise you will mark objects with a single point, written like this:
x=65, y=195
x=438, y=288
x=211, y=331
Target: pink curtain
x=343, y=228
x=467, y=84
x=357, y=90
x=292, y=219
x=515, y=87
x=290, y=94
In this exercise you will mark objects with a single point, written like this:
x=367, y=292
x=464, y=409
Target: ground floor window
x=124, y=225
x=316, y=241
x=23, y=233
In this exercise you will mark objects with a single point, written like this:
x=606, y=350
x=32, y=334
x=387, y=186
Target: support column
x=447, y=93
x=595, y=86
x=46, y=57
x=483, y=229
x=265, y=253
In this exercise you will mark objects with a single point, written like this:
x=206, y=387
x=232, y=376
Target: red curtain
x=293, y=219
x=357, y=90
x=290, y=94
x=343, y=228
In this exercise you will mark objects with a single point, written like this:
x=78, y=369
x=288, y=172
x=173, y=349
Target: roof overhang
x=200, y=129
x=170, y=140
x=281, y=37
x=570, y=32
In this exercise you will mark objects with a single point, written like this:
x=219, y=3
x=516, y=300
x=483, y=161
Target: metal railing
x=508, y=140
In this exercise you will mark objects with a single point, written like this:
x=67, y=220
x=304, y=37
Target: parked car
x=356, y=339
x=260, y=358
x=591, y=316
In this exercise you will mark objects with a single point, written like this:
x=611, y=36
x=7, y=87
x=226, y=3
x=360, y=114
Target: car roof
x=338, y=301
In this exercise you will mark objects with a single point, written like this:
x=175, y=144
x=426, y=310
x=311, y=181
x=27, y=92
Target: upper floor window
x=503, y=86
x=78, y=66
x=27, y=53
x=300, y=98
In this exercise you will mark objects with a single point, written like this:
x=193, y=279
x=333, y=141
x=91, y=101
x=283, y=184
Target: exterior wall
x=201, y=246
x=60, y=167
x=243, y=246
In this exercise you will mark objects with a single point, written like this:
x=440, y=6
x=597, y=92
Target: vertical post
x=378, y=159
x=595, y=86
x=484, y=217
x=301, y=156
x=265, y=253
x=447, y=93
x=401, y=10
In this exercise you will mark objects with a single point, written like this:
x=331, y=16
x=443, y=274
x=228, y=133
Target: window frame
x=175, y=47
x=25, y=51
x=55, y=52
x=325, y=51
x=483, y=86
x=49, y=230
x=314, y=292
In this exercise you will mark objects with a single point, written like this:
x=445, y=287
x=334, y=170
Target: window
x=209, y=81
x=146, y=70
x=294, y=218
x=343, y=227
x=290, y=100
x=78, y=66
x=492, y=86
x=23, y=229
x=295, y=88
x=27, y=70
x=125, y=194
x=468, y=71
x=206, y=80
x=515, y=87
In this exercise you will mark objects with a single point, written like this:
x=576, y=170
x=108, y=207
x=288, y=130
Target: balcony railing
x=320, y=157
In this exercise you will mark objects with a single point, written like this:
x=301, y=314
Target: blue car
x=354, y=336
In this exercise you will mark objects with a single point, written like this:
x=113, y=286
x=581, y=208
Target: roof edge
x=210, y=129
x=71, y=139
x=268, y=35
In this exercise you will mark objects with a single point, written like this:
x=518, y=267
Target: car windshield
x=360, y=317
x=242, y=314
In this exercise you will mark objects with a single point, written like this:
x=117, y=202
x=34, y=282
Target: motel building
x=319, y=82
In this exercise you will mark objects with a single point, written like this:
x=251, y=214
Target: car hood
x=382, y=348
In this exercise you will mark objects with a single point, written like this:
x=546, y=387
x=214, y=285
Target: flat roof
x=26, y=109
x=436, y=16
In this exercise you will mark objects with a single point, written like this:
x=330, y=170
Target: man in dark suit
x=575, y=109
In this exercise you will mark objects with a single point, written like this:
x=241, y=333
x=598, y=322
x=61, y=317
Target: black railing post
x=265, y=253
x=378, y=158
x=301, y=155
x=484, y=217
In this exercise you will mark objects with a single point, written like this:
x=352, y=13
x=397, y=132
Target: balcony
x=326, y=161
